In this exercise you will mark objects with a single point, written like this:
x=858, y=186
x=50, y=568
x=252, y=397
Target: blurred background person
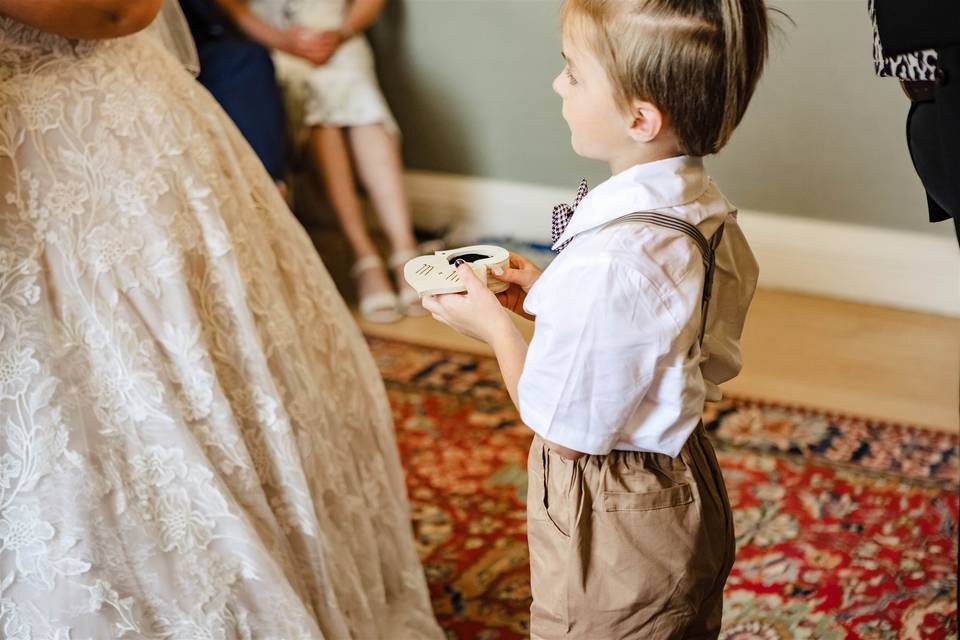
x=240, y=75
x=350, y=130
x=918, y=42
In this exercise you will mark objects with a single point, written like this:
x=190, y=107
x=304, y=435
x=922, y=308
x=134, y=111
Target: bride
x=194, y=439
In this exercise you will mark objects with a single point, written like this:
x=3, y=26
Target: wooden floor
x=816, y=353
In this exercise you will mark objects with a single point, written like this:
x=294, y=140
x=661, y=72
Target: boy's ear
x=645, y=121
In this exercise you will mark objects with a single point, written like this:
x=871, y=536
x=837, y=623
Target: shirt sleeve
x=601, y=328
x=734, y=283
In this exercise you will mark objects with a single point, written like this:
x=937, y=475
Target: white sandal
x=409, y=298
x=381, y=306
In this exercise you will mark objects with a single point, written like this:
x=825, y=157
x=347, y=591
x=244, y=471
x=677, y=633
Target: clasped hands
x=479, y=313
x=314, y=46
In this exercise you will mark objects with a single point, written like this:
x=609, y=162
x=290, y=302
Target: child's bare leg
x=381, y=170
x=331, y=157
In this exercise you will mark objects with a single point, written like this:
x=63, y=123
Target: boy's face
x=598, y=126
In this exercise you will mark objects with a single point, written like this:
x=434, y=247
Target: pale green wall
x=469, y=81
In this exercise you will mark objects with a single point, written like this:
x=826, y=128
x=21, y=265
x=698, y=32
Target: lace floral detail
x=17, y=367
x=24, y=534
x=195, y=441
x=10, y=468
x=67, y=199
x=41, y=104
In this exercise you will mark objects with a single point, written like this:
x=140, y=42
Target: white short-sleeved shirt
x=615, y=361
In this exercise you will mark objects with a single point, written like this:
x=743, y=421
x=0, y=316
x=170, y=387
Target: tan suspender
x=707, y=249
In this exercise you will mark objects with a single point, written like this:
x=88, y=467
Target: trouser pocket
x=548, y=534
x=642, y=533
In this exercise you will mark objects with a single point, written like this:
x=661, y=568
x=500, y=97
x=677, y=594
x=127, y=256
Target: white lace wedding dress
x=194, y=439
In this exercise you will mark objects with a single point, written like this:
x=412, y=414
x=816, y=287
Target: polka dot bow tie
x=562, y=214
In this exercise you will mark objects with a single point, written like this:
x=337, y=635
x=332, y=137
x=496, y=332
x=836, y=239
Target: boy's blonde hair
x=698, y=61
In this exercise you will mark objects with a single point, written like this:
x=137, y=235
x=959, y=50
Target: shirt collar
x=642, y=187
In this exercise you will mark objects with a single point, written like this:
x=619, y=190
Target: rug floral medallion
x=846, y=528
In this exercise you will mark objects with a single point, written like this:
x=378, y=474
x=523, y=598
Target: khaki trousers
x=628, y=545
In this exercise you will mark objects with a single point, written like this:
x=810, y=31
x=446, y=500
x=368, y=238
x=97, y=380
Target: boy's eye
x=570, y=77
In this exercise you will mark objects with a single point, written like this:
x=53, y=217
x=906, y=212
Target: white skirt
x=341, y=93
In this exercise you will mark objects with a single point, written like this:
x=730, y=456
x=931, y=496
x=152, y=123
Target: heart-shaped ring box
x=435, y=274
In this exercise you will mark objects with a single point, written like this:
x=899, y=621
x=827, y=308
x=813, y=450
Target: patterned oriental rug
x=846, y=528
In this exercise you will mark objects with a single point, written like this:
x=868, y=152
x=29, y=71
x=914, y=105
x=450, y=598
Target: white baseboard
x=858, y=263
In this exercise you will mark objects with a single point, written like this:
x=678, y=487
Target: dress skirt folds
x=194, y=439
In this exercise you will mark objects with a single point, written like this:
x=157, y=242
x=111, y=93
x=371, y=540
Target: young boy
x=630, y=530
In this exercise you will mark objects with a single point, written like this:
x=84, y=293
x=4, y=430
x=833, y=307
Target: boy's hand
x=521, y=274
x=476, y=313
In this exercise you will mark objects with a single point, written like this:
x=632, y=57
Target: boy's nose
x=557, y=83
